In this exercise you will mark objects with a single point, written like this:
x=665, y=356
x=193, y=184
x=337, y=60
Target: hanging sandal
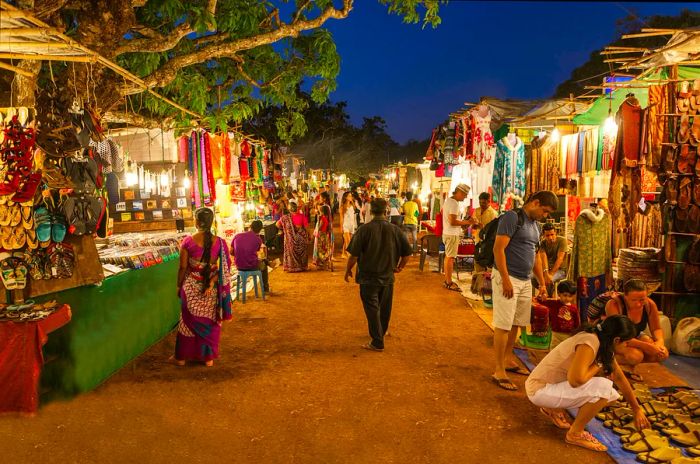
x=585, y=440
x=684, y=130
x=42, y=221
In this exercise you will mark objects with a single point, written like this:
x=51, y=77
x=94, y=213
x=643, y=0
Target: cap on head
x=464, y=188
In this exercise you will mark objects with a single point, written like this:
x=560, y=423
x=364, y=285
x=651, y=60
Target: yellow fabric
x=410, y=211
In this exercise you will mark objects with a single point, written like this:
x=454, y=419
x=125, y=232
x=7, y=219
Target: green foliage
x=234, y=87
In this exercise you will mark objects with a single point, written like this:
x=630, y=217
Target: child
x=570, y=376
x=564, y=316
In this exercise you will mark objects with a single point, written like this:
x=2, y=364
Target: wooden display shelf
x=141, y=226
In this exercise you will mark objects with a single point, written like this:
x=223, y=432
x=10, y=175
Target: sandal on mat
x=660, y=455
x=452, y=286
x=636, y=436
x=585, y=440
x=558, y=418
x=505, y=384
x=649, y=443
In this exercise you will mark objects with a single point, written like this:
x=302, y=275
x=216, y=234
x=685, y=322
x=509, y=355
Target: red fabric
x=539, y=318
x=21, y=360
x=245, y=149
x=243, y=168
x=210, y=172
x=438, y=224
x=563, y=318
x=227, y=158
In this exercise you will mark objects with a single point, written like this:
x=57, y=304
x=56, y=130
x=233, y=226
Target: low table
x=21, y=360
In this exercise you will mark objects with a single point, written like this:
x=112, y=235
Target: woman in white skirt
x=568, y=377
x=347, y=220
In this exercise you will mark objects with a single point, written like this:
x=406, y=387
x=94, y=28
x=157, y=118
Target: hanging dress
x=508, y=170
x=482, y=143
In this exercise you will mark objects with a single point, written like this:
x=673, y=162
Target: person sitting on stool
x=244, y=249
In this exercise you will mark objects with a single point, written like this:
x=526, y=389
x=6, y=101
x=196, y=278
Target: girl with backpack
x=574, y=375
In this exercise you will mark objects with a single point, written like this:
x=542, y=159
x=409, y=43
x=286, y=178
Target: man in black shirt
x=381, y=250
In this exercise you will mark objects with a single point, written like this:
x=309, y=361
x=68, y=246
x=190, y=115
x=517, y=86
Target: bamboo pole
x=13, y=13
x=26, y=31
x=9, y=45
x=647, y=34
x=31, y=56
x=16, y=70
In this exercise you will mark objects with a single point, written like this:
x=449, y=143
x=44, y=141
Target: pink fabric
x=300, y=220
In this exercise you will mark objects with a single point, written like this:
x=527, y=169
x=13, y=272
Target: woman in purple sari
x=204, y=288
x=296, y=240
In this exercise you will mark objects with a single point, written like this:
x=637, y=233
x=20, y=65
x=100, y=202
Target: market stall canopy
x=598, y=111
x=549, y=111
x=683, y=47
x=24, y=37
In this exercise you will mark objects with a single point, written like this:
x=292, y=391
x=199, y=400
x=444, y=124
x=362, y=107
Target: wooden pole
x=31, y=56
x=16, y=70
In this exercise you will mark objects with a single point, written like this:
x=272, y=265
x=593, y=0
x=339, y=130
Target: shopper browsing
x=394, y=206
x=573, y=375
x=514, y=249
x=381, y=250
x=642, y=311
x=452, y=231
x=245, y=247
x=410, y=219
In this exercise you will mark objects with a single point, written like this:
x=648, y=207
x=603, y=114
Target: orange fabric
x=217, y=151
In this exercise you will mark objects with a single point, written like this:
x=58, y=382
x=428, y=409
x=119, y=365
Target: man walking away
x=380, y=249
x=394, y=209
x=514, y=252
x=410, y=219
x=452, y=231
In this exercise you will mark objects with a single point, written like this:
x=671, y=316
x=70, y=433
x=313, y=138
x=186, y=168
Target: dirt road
x=293, y=386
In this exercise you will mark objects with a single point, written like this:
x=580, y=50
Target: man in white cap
x=452, y=231
x=394, y=207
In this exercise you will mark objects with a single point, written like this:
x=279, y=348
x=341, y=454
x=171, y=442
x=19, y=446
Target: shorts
x=515, y=311
x=563, y=396
x=451, y=245
x=348, y=228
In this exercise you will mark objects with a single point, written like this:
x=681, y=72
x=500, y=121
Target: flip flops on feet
x=518, y=370
x=452, y=286
x=558, y=418
x=504, y=383
x=368, y=346
x=585, y=440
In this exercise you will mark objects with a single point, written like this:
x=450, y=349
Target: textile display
x=508, y=170
x=482, y=143
x=646, y=230
x=591, y=251
x=640, y=263
x=544, y=165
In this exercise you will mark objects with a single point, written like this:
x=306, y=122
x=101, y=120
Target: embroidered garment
x=657, y=125
x=591, y=253
x=483, y=144
x=508, y=170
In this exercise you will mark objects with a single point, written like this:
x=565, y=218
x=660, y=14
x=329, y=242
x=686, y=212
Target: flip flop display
x=672, y=420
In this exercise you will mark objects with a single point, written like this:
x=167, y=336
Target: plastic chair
x=242, y=280
x=430, y=245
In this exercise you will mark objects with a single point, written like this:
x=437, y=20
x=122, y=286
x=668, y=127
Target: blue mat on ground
x=684, y=367
x=606, y=436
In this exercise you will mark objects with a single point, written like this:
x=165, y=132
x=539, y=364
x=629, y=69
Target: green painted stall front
x=112, y=324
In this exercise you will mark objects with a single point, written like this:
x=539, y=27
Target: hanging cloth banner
x=206, y=153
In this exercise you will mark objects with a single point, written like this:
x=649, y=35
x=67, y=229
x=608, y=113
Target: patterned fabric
x=482, y=143
x=591, y=254
x=296, y=246
x=508, y=170
x=657, y=129
x=323, y=242
x=199, y=329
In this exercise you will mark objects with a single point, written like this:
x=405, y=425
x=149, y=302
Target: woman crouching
x=569, y=377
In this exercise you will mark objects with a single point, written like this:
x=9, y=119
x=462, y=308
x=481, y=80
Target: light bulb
x=131, y=179
x=186, y=182
x=610, y=126
x=555, y=135
x=164, y=179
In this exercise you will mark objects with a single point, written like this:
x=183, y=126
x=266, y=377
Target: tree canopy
x=225, y=59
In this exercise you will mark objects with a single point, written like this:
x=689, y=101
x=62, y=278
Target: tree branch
x=158, y=43
x=166, y=73
x=138, y=120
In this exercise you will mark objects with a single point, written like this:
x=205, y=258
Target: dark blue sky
x=415, y=77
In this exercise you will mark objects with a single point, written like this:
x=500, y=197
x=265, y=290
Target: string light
x=186, y=182
x=555, y=135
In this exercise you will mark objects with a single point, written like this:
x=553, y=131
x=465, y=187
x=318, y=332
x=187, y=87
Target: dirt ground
x=292, y=385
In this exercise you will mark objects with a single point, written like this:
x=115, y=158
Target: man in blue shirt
x=514, y=251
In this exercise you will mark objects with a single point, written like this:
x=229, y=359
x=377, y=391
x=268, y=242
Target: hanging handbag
x=430, y=153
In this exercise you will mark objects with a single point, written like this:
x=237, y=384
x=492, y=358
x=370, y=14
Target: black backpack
x=483, y=252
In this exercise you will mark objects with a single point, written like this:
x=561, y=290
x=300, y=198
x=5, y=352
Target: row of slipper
x=681, y=158
x=688, y=132
x=687, y=99
x=55, y=262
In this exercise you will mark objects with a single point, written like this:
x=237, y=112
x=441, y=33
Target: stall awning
x=549, y=111
x=598, y=111
x=25, y=37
